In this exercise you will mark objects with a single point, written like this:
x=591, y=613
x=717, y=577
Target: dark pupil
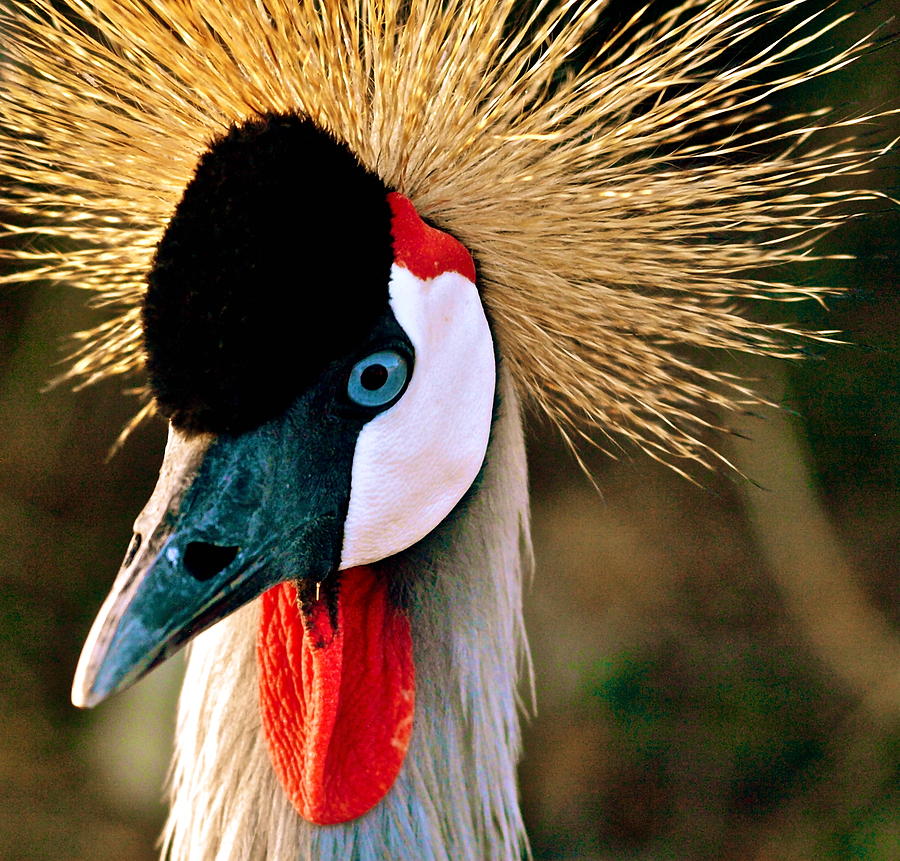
x=373, y=377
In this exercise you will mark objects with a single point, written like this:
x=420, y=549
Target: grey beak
x=230, y=517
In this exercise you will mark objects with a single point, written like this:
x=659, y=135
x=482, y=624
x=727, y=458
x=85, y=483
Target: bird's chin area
x=337, y=691
x=318, y=606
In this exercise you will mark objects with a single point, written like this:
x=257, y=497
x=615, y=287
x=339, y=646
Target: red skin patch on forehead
x=337, y=702
x=424, y=250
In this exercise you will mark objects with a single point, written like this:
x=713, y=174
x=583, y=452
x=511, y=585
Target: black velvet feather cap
x=275, y=263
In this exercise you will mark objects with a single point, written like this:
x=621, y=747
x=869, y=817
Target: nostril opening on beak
x=203, y=561
x=132, y=550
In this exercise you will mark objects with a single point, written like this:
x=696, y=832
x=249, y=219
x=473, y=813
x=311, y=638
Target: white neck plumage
x=456, y=794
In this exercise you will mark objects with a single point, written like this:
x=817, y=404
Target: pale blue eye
x=378, y=379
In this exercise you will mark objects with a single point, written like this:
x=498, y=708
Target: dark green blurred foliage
x=712, y=663
x=747, y=714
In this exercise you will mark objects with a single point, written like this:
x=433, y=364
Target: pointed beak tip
x=84, y=698
x=85, y=693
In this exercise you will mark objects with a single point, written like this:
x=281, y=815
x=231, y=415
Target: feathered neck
x=465, y=584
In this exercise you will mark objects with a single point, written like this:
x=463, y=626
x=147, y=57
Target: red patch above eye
x=425, y=250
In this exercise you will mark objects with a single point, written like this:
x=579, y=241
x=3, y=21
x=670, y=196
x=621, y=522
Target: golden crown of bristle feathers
x=581, y=188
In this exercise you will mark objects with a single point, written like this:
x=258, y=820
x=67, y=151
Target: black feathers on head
x=275, y=263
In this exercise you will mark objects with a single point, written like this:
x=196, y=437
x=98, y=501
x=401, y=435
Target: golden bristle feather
x=617, y=214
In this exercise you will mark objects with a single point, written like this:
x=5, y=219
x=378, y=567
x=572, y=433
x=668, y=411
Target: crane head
x=328, y=373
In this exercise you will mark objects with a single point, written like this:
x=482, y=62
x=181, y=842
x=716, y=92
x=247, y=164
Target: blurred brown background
x=717, y=666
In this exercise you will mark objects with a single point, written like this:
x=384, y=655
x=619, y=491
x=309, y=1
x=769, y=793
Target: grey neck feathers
x=456, y=795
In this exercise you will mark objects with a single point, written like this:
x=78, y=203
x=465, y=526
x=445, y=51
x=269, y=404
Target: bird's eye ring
x=378, y=379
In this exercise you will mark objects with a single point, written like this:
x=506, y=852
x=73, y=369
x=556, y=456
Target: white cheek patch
x=415, y=461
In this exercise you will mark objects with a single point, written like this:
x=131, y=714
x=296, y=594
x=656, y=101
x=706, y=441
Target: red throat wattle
x=337, y=699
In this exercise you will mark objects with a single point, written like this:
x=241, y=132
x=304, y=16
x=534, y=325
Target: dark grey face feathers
x=275, y=263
